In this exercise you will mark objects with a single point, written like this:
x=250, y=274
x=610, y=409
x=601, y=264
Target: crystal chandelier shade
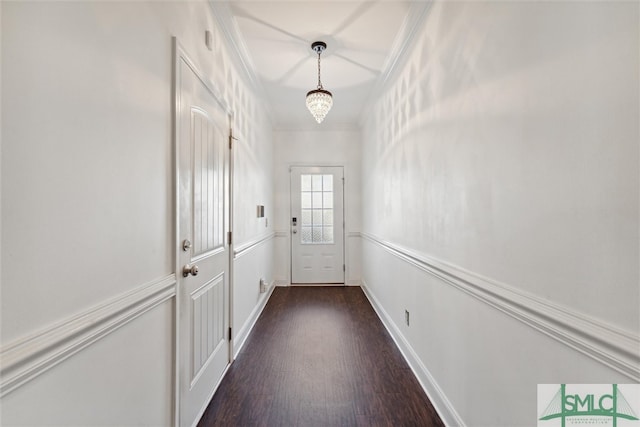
x=319, y=101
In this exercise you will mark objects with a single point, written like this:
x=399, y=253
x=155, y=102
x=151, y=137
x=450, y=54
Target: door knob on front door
x=188, y=269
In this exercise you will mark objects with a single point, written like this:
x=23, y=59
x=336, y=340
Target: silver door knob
x=295, y=231
x=188, y=269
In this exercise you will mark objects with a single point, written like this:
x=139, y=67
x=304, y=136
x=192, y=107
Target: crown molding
x=418, y=12
x=229, y=27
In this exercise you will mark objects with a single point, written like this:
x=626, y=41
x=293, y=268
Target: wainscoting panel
x=437, y=397
x=282, y=268
x=253, y=261
x=29, y=357
x=616, y=348
x=354, y=258
x=480, y=348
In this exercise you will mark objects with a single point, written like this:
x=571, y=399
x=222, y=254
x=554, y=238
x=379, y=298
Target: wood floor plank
x=319, y=356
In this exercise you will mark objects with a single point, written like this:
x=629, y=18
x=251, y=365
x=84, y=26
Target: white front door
x=202, y=130
x=317, y=225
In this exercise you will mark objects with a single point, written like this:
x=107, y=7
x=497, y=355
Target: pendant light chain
x=319, y=82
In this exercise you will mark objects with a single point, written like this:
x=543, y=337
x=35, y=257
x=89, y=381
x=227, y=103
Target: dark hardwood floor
x=319, y=356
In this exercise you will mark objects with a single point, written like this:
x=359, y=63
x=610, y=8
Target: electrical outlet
x=406, y=317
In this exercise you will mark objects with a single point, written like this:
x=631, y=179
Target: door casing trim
x=179, y=53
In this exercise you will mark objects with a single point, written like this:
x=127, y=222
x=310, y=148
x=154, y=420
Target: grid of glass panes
x=317, y=208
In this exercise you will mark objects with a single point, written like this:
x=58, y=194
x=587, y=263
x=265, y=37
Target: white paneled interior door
x=317, y=225
x=202, y=130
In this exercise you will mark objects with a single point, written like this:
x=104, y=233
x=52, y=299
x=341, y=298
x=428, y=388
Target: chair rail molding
x=252, y=244
x=32, y=355
x=612, y=346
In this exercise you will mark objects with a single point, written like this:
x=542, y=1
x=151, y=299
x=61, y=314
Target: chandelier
x=319, y=101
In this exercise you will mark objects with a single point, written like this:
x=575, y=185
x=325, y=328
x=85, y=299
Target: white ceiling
x=364, y=40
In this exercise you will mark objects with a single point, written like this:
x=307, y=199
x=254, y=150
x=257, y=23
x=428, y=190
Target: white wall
x=253, y=236
x=317, y=148
x=87, y=202
x=501, y=200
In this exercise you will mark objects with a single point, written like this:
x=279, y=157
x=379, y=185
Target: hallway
x=319, y=356
x=478, y=172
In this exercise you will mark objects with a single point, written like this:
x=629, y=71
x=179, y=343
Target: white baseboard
x=435, y=394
